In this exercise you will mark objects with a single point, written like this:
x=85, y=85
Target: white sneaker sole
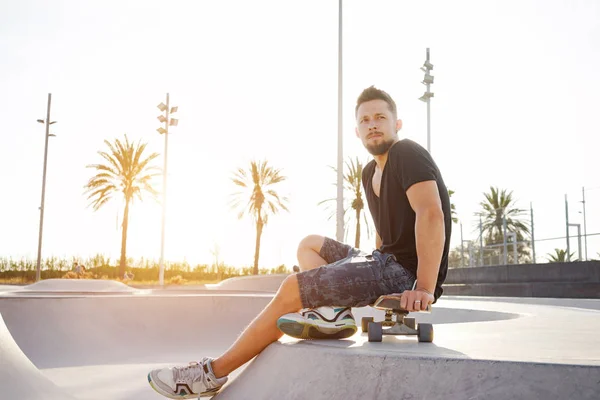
x=172, y=395
x=302, y=329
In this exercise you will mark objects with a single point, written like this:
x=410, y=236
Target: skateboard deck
x=391, y=302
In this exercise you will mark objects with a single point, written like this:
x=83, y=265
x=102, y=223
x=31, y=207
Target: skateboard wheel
x=364, y=322
x=425, y=332
x=375, y=332
x=410, y=322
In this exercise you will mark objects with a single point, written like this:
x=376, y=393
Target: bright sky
x=515, y=106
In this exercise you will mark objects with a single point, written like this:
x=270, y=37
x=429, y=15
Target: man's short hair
x=372, y=93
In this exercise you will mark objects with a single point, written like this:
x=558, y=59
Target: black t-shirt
x=408, y=163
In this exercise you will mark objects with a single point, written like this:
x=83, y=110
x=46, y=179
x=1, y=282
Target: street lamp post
x=427, y=81
x=38, y=273
x=168, y=121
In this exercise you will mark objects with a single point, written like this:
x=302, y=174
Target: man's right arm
x=377, y=240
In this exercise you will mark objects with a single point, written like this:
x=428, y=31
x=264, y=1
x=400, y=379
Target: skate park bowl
x=71, y=342
x=259, y=283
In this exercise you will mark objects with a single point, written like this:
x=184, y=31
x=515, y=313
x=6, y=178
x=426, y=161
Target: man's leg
x=328, y=293
x=316, y=251
x=207, y=376
x=309, y=253
x=262, y=331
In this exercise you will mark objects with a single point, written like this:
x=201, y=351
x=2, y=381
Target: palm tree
x=255, y=197
x=497, y=207
x=559, y=255
x=126, y=172
x=353, y=186
x=452, y=207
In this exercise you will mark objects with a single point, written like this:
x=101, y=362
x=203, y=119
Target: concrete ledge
x=302, y=371
x=527, y=289
x=477, y=275
x=482, y=350
x=587, y=271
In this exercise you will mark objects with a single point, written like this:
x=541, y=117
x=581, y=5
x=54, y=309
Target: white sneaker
x=319, y=323
x=187, y=382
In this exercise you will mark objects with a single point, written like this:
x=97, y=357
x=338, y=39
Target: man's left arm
x=424, y=199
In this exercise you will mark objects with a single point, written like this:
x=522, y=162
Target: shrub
x=177, y=280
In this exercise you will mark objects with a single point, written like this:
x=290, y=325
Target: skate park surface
x=98, y=340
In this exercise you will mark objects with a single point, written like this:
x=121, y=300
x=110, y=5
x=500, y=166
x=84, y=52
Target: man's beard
x=378, y=149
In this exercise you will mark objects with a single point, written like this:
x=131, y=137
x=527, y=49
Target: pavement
x=68, y=341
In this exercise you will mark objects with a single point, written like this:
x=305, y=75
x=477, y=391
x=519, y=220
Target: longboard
x=400, y=325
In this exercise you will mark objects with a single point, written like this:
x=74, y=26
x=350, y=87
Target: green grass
x=23, y=271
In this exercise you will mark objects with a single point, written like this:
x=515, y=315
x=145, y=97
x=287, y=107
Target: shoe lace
x=193, y=372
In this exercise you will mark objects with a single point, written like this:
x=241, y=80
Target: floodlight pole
x=340, y=154
x=161, y=274
x=427, y=81
x=428, y=113
x=38, y=273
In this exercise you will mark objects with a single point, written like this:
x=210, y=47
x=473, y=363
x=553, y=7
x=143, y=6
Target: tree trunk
x=123, y=262
x=357, y=239
x=259, y=228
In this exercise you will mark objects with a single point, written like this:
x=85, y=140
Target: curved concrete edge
x=79, y=286
x=19, y=378
x=301, y=371
x=72, y=332
x=10, y=288
x=253, y=283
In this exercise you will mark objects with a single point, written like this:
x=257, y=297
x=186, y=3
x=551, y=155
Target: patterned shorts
x=352, y=278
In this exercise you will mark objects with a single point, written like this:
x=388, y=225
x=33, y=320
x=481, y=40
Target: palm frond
x=125, y=171
x=257, y=199
x=353, y=198
x=499, y=209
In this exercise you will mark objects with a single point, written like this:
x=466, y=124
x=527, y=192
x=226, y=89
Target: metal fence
x=566, y=230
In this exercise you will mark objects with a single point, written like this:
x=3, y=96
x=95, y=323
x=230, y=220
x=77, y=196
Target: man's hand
x=415, y=300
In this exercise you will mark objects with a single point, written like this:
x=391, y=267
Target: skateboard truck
x=401, y=325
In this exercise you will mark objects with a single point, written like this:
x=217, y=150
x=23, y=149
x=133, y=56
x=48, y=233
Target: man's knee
x=311, y=242
x=289, y=293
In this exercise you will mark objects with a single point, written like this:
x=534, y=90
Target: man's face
x=376, y=126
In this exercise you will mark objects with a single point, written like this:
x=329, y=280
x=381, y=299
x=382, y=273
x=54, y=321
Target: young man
x=410, y=206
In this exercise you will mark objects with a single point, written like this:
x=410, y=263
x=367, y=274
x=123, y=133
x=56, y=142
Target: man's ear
x=398, y=125
x=356, y=131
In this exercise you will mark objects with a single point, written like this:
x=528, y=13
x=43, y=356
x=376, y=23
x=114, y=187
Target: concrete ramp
x=482, y=350
x=19, y=378
x=305, y=371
